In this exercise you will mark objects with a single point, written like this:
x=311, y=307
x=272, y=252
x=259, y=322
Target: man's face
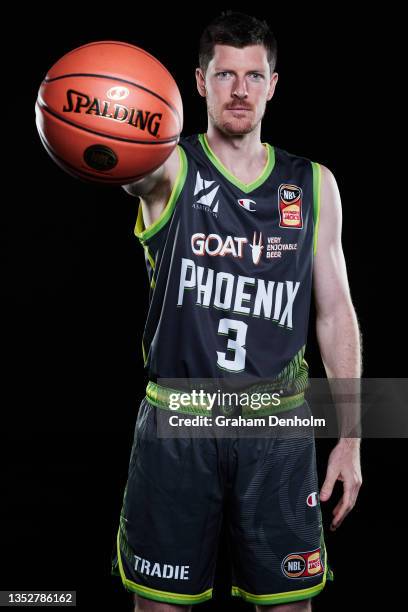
x=237, y=79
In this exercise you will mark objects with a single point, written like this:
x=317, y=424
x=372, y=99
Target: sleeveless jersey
x=230, y=269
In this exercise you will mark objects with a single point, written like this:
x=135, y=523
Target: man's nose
x=239, y=90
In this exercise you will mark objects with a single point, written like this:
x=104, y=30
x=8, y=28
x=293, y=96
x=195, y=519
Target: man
x=235, y=232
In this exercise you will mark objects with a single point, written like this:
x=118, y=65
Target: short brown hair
x=237, y=30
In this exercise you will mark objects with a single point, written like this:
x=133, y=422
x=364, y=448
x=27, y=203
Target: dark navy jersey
x=230, y=269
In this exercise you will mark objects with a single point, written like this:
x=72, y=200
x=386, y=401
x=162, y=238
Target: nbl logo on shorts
x=303, y=564
x=290, y=206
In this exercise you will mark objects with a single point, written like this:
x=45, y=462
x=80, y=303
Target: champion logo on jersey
x=207, y=192
x=244, y=203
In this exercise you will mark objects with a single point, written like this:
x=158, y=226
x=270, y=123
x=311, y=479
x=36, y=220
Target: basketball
x=109, y=112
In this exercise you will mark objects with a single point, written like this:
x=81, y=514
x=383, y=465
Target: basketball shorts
x=176, y=493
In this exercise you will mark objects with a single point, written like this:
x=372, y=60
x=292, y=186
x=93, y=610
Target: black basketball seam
x=106, y=76
x=100, y=177
x=80, y=127
x=120, y=44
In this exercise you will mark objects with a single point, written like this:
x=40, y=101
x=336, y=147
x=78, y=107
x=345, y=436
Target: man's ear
x=200, y=78
x=272, y=85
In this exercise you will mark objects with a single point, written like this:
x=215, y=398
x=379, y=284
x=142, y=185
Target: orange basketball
x=109, y=112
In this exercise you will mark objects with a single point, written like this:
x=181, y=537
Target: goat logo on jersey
x=215, y=245
x=290, y=206
x=244, y=203
x=256, y=248
x=207, y=190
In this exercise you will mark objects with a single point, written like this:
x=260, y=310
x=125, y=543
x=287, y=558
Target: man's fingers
x=327, y=488
x=345, y=504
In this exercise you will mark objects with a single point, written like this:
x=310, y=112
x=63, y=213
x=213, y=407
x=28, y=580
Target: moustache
x=240, y=107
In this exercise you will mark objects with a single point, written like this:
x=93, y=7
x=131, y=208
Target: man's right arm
x=145, y=185
x=155, y=189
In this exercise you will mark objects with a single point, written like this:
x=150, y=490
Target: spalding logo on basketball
x=109, y=112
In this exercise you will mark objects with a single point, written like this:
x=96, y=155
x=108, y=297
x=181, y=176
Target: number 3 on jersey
x=236, y=363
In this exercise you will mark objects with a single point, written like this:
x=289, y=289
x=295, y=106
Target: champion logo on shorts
x=303, y=564
x=311, y=499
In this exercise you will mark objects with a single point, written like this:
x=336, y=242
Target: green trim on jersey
x=155, y=594
x=149, y=257
x=295, y=374
x=245, y=187
x=317, y=181
x=152, y=263
x=144, y=353
x=146, y=234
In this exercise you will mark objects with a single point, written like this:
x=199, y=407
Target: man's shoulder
x=299, y=158
x=189, y=139
x=291, y=156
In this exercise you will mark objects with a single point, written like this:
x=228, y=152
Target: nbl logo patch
x=290, y=206
x=303, y=564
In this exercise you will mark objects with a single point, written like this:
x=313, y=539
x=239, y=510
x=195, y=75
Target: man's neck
x=240, y=154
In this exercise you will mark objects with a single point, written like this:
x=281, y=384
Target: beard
x=233, y=123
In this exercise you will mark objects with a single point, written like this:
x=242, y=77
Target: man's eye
x=256, y=74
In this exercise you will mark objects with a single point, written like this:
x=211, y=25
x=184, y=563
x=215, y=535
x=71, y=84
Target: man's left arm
x=339, y=340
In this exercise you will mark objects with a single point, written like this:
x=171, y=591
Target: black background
x=75, y=298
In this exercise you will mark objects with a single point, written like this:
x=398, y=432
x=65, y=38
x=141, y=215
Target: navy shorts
x=176, y=493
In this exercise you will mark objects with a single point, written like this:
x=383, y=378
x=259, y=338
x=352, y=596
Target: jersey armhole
x=317, y=180
x=145, y=234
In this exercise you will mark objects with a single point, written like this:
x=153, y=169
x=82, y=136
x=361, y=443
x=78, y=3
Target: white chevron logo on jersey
x=206, y=199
